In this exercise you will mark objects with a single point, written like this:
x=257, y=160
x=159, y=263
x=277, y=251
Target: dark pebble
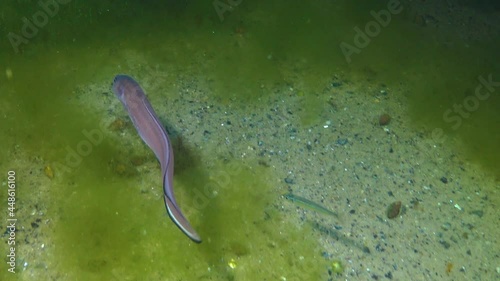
x=352, y=211
x=264, y=163
x=394, y=209
x=446, y=226
x=341, y=141
x=444, y=180
x=478, y=213
x=384, y=119
x=379, y=248
x=445, y=244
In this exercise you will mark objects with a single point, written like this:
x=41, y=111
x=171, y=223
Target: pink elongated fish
x=154, y=135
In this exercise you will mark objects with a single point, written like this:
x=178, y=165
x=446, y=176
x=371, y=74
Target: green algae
x=107, y=229
x=449, y=106
x=106, y=225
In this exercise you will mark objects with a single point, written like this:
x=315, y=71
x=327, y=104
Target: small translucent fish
x=308, y=204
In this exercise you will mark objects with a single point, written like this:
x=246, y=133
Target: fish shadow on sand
x=340, y=237
x=184, y=158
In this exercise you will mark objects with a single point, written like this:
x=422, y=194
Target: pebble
x=117, y=125
x=48, y=172
x=445, y=244
x=446, y=226
x=341, y=141
x=384, y=119
x=336, y=84
x=394, y=209
x=478, y=213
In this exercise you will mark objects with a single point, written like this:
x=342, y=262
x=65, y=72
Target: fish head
x=123, y=84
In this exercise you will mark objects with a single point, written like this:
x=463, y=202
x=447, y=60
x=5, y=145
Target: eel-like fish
x=308, y=204
x=154, y=135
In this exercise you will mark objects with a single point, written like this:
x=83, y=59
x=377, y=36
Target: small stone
x=445, y=244
x=48, y=172
x=444, y=180
x=326, y=255
x=384, y=119
x=336, y=84
x=478, y=213
x=138, y=160
x=446, y=226
x=232, y=264
x=117, y=125
x=394, y=209
x=341, y=141
x=337, y=267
